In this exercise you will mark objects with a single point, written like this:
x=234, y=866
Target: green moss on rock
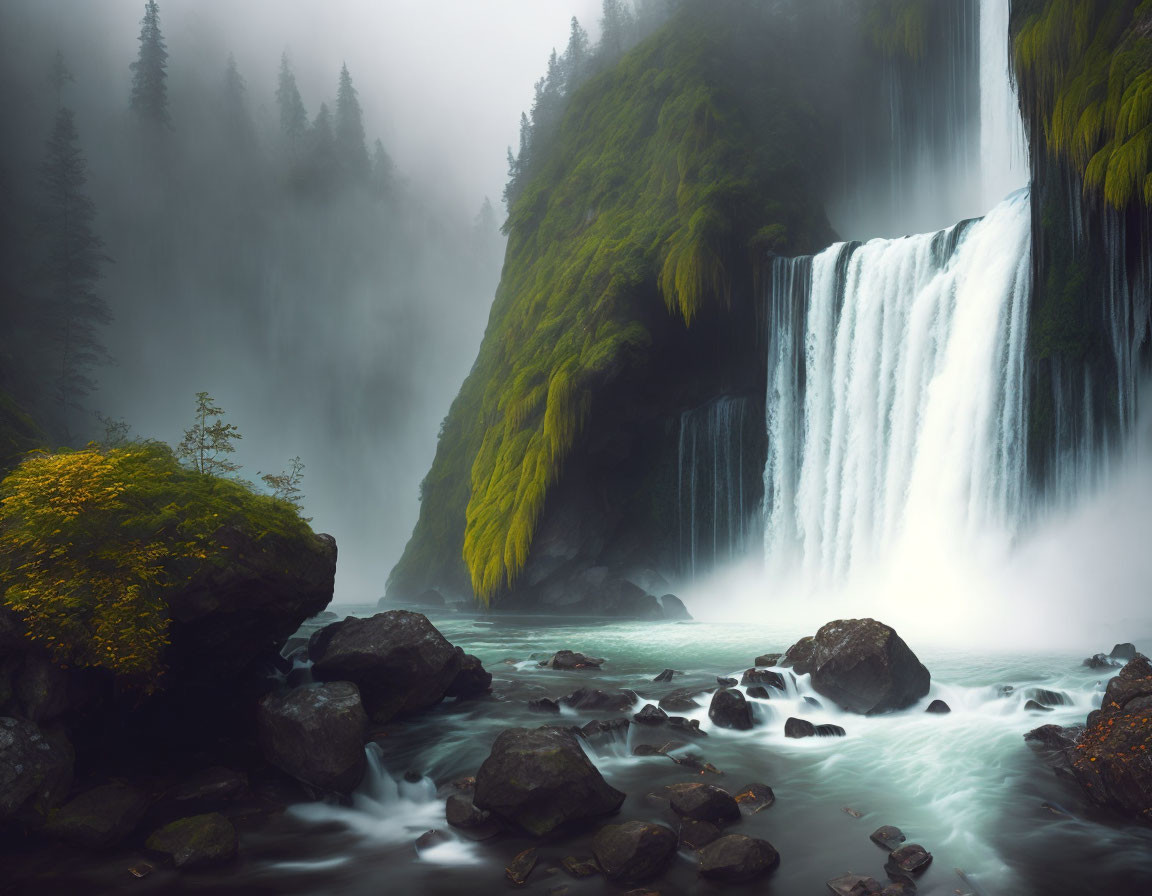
x=195, y=842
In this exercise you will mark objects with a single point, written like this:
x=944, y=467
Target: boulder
x=1033, y=706
x=855, y=885
x=1123, y=652
x=1100, y=661
x=398, y=659
x=729, y=709
x=702, y=802
x=769, y=659
x=634, y=852
x=911, y=858
x=430, y=839
x=208, y=790
x=471, y=681
x=735, y=858
x=755, y=798
x=520, y=867
x=759, y=692
x=764, y=677
x=812, y=701
x=1110, y=760
x=579, y=867
x=798, y=728
x=673, y=608
x=543, y=704
x=681, y=700
x=461, y=812
x=666, y=675
x=316, y=734
x=195, y=842
x=696, y=835
x=938, y=707
x=594, y=700
x=540, y=780
x=35, y=771
x=99, y=818
x=799, y=656
x=568, y=659
x=888, y=836
x=603, y=731
x=726, y=682
x=864, y=666
x=651, y=715
x=41, y=687
x=830, y=731
x=1049, y=698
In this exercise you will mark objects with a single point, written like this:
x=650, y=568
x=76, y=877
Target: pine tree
x=59, y=77
x=350, y=128
x=616, y=26
x=209, y=441
x=73, y=267
x=519, y=164
x=549, y=102
x=234, y=110
x=150, y=71
x=575, y=61
x=293, y=116
x=383, y=170
x=322, y=164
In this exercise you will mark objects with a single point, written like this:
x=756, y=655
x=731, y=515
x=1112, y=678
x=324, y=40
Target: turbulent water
x=965, y=785
x=895, y=399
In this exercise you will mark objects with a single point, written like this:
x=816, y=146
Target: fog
x=331, y=322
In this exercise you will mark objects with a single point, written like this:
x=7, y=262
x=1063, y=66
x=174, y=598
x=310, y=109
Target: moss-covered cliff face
x=1084, y=69
x=626, y=297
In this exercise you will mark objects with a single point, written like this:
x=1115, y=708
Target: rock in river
x=702, y=802
x=540, y=780
x=736, y=858
x=729, y=709
x=634, y=852
x=398, y=659
x=862, y=665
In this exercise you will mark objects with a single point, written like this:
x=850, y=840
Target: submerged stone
x=634, y=852
x=736, y=858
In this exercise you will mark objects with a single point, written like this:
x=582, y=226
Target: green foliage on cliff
x=665, y=174
x=92, y=540
x=1084, y=68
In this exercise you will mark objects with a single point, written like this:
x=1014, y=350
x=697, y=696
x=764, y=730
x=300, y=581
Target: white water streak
x=1003, y=147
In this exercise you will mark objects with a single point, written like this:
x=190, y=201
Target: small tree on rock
x=208, y=443
x=286, y=485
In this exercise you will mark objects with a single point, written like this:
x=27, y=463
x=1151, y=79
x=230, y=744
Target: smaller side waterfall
x=716, y=510
x=1003, y=147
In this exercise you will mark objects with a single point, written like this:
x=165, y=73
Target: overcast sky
x=442, y=82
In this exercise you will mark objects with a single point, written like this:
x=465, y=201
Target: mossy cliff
x=626, y=295
x=1084, y=70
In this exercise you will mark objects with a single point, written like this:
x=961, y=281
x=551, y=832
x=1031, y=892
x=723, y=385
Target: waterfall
x=715, y=508
x=895, y=406
x=1003, y=147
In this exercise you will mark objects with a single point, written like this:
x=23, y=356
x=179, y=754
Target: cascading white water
x=896, y=398
x=1003, y=147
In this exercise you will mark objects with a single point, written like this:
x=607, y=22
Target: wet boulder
x=651, y=715
x=1100, y=661
x=1033, y=706
x=569, y=659
x=755, y=798
x=911, y=858
x=195, y=842
x=830, y=731
x=471, y=681
x=543, y=704
x=600, y=732
x=855, y=885
x=759, y=692
x=798, y=728
x=681, y=700
x=540, y=780
x=695, y=834
x=1050, y=698
x=476, y=824
x=594, y=700
x=765, y=677
x=726, y=682
x=864, y=666
x=702, y=802
x=769, y=659
x=938, y=707
x=666, y=675
x=397, y=659
x=99, y=818
x=634, y=852
x=888, y=836
x=1110, y=760
x=35, y=771
x=316, y=734
x=1123, y=652
x=735, y=858
x=799, y=656
x=729, y=709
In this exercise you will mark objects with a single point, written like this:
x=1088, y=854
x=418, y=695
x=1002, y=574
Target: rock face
x=195, y=842
x=863, y=665
x=316, y=734
x=674, y=608
x=100, y=817
x=729, y=709
x=35, y=771
x=734, y=859
x=634, y=852
x=540, y=780
x=1125, y=652
x=1111, y=761
x=398, y=659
